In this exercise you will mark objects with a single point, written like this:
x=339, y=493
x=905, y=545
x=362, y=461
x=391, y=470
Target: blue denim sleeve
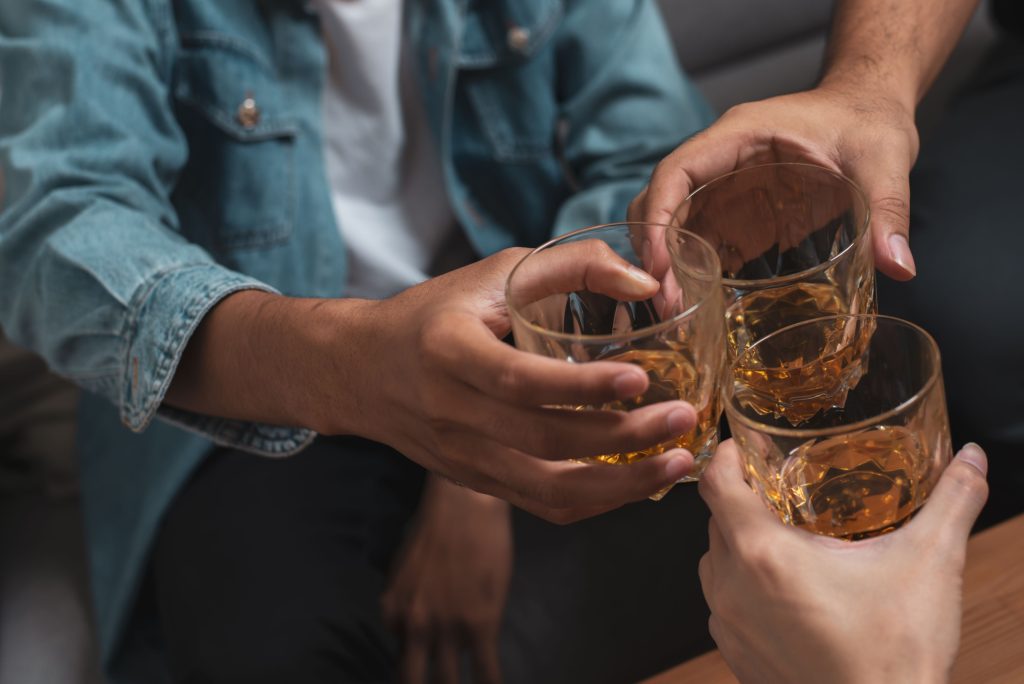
x=94, y=275
x=625, y=105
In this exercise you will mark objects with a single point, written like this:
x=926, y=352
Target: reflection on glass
x=794, y=245
x=676, y=336
x=841, y=422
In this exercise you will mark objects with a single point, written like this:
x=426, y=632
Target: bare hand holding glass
x=671, y=327
x=788, y=606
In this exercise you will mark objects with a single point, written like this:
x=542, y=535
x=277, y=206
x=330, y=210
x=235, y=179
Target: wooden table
x=992, y=641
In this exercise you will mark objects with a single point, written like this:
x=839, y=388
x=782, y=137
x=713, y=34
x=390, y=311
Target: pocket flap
x=233, y=89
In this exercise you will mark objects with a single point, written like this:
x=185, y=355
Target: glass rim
x=933, y=377
x=621, y=337
x=766, y=283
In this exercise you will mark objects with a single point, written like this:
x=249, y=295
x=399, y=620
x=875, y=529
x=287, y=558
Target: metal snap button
x=248, y=112
x=518, y=38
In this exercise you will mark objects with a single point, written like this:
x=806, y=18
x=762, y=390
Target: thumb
x=736, y=508
x=958, y=498
x=886, y=181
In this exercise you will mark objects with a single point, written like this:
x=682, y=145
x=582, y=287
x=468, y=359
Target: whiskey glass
x=794, y=244
x=841, y=422
x=676, y=335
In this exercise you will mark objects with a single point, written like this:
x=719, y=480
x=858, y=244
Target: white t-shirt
x=386, y=179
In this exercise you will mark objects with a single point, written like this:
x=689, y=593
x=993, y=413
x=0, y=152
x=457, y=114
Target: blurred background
x=736, y=50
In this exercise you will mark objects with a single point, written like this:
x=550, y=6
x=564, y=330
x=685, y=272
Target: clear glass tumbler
x=676, y=335
x=841, y=422
x=794, y=244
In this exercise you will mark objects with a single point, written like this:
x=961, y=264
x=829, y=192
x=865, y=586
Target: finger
x=885, y=178
x=735, y=507
x=590, y=265
x=951, y=510
x=446, y=659
x=486, y=662
x=563, y=492
x=705, y=156
x=706, y=573
x=558, y=434
x=415, y=657
x=467, y=350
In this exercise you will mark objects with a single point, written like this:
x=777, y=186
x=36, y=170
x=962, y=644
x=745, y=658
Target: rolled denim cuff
x=162, y=321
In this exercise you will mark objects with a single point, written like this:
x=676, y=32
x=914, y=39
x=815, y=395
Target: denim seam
x=539, y=34
x=268, y=130
x=138, y=411
x=215, y=40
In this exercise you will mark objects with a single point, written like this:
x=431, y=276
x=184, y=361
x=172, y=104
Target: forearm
x=264, y=357
x=896, y=47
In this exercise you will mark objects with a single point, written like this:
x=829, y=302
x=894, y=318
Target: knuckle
x=510, y=256
x=418, y=621
x=737, y=111
x=561, y=516
x=709, y=484
x=972, y=483
x=757, y=553
x=893, y=206
x=435, y=335
x=510, y=378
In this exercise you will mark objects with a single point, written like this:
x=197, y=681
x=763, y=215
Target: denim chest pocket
x=507, y=69
x=237, y=189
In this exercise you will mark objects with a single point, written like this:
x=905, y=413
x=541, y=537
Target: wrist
x=861, y=80
x=894, y=94
x=331, y=370
x=440, y=492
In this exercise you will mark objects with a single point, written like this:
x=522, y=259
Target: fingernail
x=630, y=384
x=678, y=468
x=899, y=250
x=974, y=455
x=680, y=420
x=641, y=276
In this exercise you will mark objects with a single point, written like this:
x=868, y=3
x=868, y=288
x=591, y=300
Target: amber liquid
x=801, y=381
x=854, y=486
x=760, y=313
x=672, y=376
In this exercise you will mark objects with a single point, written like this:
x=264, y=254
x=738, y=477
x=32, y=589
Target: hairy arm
x=896, y=46
x=883, y=55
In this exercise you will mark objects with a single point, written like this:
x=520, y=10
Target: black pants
x=270, y=570
x=967, y=232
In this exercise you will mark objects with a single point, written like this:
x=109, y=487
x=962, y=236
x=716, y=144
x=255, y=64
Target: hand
x=426, y=372
x=442, y=388
x=871, y=139
x=789, y=606
x=449, y=591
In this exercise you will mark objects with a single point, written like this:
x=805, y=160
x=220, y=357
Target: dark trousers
x=271, y=570
x=967, y=232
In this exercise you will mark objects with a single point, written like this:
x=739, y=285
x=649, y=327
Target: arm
x=94, y=273
x=790, y=606
x=97, y=278
x=859, y=120
x=427, y=373
x=896, y=48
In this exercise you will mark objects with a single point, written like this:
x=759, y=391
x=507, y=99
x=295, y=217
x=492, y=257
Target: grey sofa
x=737, y=50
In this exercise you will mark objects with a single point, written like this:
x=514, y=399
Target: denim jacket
x=158, y=156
